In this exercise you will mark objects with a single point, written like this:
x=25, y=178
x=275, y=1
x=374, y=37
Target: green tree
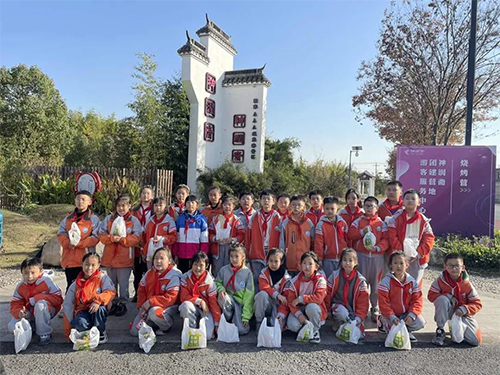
x=34, y=125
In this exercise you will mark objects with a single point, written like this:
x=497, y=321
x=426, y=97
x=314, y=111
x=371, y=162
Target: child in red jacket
x=347, y=293
x=351, y=211
x=270, y=302
x=452, y=293
x=181, y=193
x=36, y=299
x=306, y=294
x=400, y=297
x=214, y=204
x=393, y=202
x=370, y=255
x=199, y=295
x=158, y=295
x=316, y=211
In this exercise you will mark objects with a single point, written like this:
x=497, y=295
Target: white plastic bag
x=152, y=247
x=147, y=337
x=306, y=332
x=369, y=240
x=410, y=246
x=194, y=338
x=22, y=335
x=269, y=337
x=349, y=332
x=398, y=337
x=74, y=234
x=457, y=328
x=227, y=332
x=118, y=228
x=84, y=340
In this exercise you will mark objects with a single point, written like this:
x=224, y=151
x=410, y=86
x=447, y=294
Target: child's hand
x=94, y=307
x=409, y=320
x=116, y=238
x=245, y=325
x=395, y=321
x=223, y=294
x=295, y=302
x=280, y=320
x=23, y=313
x=214, y=333
x=454, y=302
x=302, y=319
x=282, y=299
x=157, y=239
x=204, y=307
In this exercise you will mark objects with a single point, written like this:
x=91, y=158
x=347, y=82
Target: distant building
x=228, y=107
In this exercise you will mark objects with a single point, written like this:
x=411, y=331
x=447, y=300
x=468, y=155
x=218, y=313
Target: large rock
x=52, y=253
x=437, y=257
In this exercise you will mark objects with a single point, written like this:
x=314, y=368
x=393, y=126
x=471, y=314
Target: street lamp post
x=355, y=149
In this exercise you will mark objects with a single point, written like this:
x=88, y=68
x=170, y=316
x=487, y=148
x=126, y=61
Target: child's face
x=181, y=195
x=399, y=266
x=316, y=201
x=228, y=206
x=411, y=202
x=146, y=195
x=454, y=267
x=267, y=202
x=274, y=262
x=161, y=261
x=82, y=202
x=198, y=268
x=349, y=261
x=159, y=207
x=352, y=200
x=214, y=196
x=246, y=202
x=191, y=206
x=298, y=207
x=122, y=207
x=283, y=204
x=308, y=266
x=90, y=265
x=31, y=274
x=331, y=210
x=393, y=192
x=236, y=258
x=370, y=208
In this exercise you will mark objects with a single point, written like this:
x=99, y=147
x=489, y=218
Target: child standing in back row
x=393, y=203
x=351, y=211
x=181, y=193
x=316, y=211
x=118, y=255
x=214, y=204
x=246, y=211
x=283, y=206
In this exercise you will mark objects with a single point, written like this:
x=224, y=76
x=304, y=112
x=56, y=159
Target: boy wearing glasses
x=452, y=293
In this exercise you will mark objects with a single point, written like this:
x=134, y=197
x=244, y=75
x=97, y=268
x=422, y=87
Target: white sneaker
x=103, y=338
x=316, y=339
x=412, y=337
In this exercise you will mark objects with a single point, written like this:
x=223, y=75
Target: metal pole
x=471, y=73
x=350, y=155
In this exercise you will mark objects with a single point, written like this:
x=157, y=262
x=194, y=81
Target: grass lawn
x=24, y=234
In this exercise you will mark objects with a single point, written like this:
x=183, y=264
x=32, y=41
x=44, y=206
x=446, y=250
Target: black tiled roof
x=245, y=77
x=212, y=29
x=195, y=48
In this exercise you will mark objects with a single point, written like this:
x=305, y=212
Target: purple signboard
x=456, y=186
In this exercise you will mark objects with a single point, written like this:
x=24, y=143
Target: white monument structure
x=228, y=107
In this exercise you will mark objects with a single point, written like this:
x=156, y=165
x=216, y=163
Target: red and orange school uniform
x=263, y=234
x=245, y=217
x=284, y=214
x=349, y=217
x=314, y=215
x=161, y=290
x=210, y=212
x=385, y=209
x=330, y=239
x=266, y=285
x=203, y=288
x=163, y=226
x=297, y=238
x=230, y=223
x=175, y=209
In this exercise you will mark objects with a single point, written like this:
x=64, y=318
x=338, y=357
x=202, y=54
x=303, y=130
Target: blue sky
x=313, y=50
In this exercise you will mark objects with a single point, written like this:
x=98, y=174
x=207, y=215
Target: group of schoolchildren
x=288, y=264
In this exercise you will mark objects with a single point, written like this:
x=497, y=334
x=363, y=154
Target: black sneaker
x=121, y=309
x=45, y=339
x=112, y=311
x=438, y=338
x=134, y=298
x=380, y=325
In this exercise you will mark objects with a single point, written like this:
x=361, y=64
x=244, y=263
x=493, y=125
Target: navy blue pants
x=84, y=320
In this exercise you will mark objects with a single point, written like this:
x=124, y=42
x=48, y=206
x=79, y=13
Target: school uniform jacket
x=210, y=212
x=242, y=290
x=266, y=285
x=386, y=210
x=142, y=214
x=396, y=298
x=119, y=254
x=255, y=236
x=378, y=228
x=89, y=228
x=27, y=295
x=472, y=304
x=292, y=291
x=98, y=288
x=161, y=290
x=358, y=296
x=284, y=215
x=297, y=238
x=164, y=227
x=314, y=215
x=194, y=239
x=245, y=217
x=349, y=218
x=397, y=227
x=236, y=231
x=206, y=291
x=330, y=238
x=174, y=210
